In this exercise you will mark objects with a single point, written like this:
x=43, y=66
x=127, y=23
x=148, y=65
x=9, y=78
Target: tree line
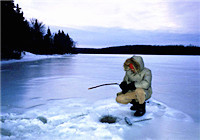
x=19, y=35
x=144, y=49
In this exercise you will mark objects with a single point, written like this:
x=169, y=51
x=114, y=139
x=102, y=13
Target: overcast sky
x=170, y=16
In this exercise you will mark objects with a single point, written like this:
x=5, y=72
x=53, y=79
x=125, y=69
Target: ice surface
x=55, y=90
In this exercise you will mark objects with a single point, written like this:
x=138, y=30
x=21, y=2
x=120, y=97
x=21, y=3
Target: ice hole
x=108, y=119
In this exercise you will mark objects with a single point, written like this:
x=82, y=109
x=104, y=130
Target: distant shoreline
x=143, y=49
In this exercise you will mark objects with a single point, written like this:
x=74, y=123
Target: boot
x=140, y=110
x=134, y=105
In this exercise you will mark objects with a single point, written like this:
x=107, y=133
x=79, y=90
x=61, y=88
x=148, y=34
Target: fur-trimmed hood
x=137, y=62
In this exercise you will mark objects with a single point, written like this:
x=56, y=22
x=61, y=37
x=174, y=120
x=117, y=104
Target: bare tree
x=37, y=26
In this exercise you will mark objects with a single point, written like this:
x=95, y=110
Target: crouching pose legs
x=137, y=98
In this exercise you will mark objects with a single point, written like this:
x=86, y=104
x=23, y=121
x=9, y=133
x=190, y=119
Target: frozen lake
x=56, y=89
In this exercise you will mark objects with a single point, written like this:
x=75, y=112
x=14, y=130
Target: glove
x=124, y=87
x=131, y=86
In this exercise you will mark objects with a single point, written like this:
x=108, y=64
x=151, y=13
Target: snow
x=27, y=56
x=55, y=89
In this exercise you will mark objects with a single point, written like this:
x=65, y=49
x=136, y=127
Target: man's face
x=132, y=67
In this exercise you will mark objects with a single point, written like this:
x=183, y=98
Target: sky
x=177, y=18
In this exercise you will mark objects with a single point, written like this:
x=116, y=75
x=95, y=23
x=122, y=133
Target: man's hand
x=131, y=86
x=124, y=87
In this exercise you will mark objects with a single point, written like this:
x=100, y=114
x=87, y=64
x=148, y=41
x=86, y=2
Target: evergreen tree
x=63, y=43
x=37, y=31
x=14, y=30
x=48, y=42
x=69, y=43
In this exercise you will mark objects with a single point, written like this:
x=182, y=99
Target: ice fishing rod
x=103, y=85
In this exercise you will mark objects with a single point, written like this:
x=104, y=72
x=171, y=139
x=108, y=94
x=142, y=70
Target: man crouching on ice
x=136, y=86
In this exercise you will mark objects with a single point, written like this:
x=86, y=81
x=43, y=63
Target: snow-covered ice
x=49, y=98
x=27, y=56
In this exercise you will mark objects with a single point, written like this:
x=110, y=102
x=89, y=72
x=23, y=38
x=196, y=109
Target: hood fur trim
x=136, y=65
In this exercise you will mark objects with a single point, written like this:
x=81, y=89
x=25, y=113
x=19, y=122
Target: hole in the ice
x=108, y=119
x=5, y=132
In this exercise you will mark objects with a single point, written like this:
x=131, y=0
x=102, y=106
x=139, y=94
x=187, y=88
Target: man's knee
x=140, y=95
x=140, y=90
x=121, y=99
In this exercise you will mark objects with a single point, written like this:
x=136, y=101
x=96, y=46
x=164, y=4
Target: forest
x=144, y=49
x=19, y=35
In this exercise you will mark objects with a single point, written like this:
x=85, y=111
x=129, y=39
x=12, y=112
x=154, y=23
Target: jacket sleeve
x=145, y=83
x=125, y=78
